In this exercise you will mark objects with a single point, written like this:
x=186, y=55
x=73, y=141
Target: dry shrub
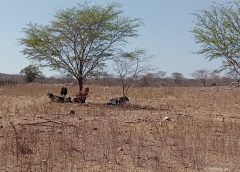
x=202, y=135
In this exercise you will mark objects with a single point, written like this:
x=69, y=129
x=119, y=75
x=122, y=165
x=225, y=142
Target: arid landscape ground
x=203, y=133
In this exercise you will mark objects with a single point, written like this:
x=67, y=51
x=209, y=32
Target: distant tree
x=226, y=80
x=147, y=79
x=127, y=66
x=31, y=73
x=202, y=75
x=233, y=75
x=217, y=30
x=161, y=74
x=178, y=78
x=215, y=77
x=79, y=40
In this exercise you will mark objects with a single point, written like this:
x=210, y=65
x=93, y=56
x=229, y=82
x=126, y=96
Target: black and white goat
x=67, y=100
x=118, y=101
x=55, y=98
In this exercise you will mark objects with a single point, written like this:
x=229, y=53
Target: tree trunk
x=80, y=84
x=123, y=90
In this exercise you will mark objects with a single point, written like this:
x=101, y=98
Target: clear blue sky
x=166, y=33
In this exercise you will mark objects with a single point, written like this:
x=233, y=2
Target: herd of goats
x=81, y=97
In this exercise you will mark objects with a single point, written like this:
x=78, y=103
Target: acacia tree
x=128, y=65
x=215, y=77
x=178, y=78
x=31, y=73
x=202, y=75
x=217, y=30
x=79, y=40
x=161, y=74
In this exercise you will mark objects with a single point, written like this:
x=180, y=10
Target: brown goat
x=81, y=98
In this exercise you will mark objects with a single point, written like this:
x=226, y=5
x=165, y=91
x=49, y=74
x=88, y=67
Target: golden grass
x=203, y=134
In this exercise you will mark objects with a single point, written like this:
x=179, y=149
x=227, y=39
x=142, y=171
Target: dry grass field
x=203, y=133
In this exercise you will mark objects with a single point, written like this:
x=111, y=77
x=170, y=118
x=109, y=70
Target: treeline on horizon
x=146, y=80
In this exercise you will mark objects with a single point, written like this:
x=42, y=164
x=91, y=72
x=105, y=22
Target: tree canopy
x=217, y=30
x=31, y=73
x=202, y=75
x=79, y=40
x=178, y=78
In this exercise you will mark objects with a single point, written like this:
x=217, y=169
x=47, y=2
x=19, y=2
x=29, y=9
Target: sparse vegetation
x=178, y=78
x=202, y=75
x=127, y=66
x=202, y=135
x=163, y=123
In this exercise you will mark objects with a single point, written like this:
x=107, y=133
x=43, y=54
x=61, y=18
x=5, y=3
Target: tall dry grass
x=202, y=135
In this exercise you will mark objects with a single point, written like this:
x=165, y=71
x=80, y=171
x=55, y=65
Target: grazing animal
x=118, y=101
x=63, y=91
x=81, y=98
x=55, y=98
x=67, y=100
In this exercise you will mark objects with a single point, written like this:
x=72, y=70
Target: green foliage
x=79, y=40
x=31, y=73
x=217, y=30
